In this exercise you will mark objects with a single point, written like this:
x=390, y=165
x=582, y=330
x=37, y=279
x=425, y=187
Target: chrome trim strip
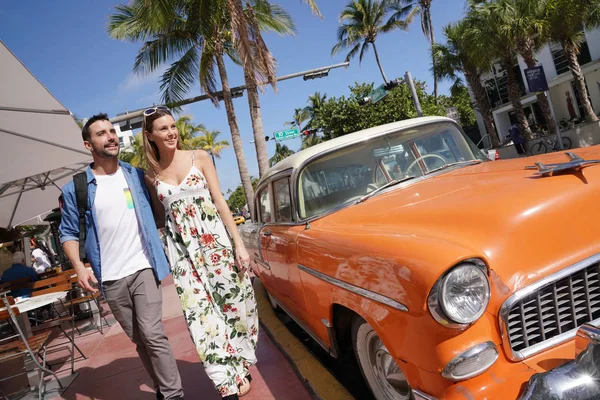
x=262, y=263
x=355, y=289
x=422, y=395
x=528, y=290
x=473, y=352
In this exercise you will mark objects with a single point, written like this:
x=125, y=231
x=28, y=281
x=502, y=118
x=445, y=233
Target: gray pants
x=136, y=303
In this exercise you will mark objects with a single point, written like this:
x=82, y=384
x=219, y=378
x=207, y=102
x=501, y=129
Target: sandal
x=244, y=387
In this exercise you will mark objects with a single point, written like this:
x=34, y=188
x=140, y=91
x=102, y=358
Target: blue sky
x=65, y=45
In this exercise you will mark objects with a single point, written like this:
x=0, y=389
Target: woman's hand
x=243, y=258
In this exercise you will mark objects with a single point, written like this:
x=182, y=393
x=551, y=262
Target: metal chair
x=18, y=345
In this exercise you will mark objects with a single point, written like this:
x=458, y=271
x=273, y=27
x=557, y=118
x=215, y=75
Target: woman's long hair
x=151, y=154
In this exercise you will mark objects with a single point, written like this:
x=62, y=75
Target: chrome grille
x=555, y=309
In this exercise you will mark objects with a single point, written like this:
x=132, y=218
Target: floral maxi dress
x=219, y=306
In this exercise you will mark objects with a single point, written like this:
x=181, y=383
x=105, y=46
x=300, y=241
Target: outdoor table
x=31, y=303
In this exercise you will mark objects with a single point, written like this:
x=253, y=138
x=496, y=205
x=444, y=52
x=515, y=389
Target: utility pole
x=413, y=91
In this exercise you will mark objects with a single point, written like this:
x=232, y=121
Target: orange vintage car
x=449, y=276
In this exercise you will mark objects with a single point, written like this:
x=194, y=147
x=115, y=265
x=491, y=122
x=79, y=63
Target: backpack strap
x=81, y=195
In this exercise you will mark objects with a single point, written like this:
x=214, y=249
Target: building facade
x=564, y=96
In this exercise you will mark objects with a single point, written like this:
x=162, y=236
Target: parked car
x=238, y=218
x=448, y=276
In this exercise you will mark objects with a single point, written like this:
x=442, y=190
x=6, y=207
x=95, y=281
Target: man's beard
x=104, y=153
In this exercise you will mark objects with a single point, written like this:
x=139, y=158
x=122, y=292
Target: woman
x=217, y=298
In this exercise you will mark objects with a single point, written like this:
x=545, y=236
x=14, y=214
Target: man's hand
x=87, y=279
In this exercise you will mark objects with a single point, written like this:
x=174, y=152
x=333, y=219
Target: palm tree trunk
x=379, y=62
x=571, y=54
x=432, y=41
x=236, y=138
x=483, y=104
x=514, y=94
x=527, y=54
x=257, y=125
x=213, y=158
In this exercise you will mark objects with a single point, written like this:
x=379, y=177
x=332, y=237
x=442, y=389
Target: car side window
x=283, y=202
x=265, y=205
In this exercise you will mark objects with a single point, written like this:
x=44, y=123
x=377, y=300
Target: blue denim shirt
x=69, y=225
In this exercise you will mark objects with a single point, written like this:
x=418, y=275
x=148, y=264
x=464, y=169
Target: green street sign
x=378, y=94
x=287, y=134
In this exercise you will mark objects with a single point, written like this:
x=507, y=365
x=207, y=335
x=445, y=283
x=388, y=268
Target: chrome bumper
x=577, y=379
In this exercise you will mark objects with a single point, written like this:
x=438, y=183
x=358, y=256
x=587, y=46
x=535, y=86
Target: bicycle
x=542, y=146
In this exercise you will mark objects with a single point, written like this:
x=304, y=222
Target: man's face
x=104, y=141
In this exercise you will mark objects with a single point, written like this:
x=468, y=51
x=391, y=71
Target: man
x=124, y=250
x=518, y=140
x=18, y=270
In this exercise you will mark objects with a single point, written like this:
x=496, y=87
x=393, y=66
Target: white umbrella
x=39, y=137
x=27, y=201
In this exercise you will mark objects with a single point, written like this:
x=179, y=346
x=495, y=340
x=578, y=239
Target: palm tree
x=196, y=34
x=188, y=131
x=462, y=55
x=263, y=16
x=209, y=142
x=522, y=21
x=315, y=102
x=135, y=155
x=281, y=152
x=256, y=59
x=566, y=18
x=403, y=8
x=360, y=23
x=310, y=140
x=487, y=29
x=301, y=115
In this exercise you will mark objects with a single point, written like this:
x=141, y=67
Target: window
x=265, y=205
x=121, y=143
x=497, y=86
x=560, y=59
x=283, y=202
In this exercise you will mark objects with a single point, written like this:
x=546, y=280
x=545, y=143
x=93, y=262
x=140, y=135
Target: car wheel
x=381, y=373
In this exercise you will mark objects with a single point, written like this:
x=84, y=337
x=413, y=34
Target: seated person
x=41, y=261
x=19, y=270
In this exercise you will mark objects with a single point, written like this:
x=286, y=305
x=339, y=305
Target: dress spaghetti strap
x=193, y=151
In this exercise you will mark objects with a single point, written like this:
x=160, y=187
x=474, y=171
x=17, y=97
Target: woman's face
x=164, y=133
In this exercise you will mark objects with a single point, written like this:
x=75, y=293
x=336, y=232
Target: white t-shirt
x=121, y=250
x=41, y=260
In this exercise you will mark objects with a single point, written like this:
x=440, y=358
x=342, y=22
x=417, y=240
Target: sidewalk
x=113, y=369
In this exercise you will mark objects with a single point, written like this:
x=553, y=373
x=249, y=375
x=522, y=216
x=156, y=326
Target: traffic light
x=309, y=132
x=393, y=83
x=316, y=75
x=267, y=138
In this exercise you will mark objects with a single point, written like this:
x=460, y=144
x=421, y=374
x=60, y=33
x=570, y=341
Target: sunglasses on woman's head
x=148, y=112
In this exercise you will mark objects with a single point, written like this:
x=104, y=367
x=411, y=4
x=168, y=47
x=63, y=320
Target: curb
x=311, y=372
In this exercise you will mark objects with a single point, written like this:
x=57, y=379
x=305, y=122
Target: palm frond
x=162, y=49
x=179, y=77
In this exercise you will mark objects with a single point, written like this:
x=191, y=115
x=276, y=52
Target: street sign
x=536, y=79
x=378, y=94
x=452, y=112
x=287, y=134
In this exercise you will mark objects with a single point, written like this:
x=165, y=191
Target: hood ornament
x=574, y=164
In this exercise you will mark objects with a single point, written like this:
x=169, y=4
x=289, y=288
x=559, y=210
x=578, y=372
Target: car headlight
x=461, y=295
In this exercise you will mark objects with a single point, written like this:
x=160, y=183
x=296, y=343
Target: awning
x=38, y=134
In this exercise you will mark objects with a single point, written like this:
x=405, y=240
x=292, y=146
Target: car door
x=263, y=216
x=281, y=251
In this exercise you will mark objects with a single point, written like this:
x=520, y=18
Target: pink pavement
x=113, y=370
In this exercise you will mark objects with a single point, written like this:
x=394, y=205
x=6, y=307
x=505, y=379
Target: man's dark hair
x=85, y=132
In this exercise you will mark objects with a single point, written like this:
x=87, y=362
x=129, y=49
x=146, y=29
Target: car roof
x=298, y=159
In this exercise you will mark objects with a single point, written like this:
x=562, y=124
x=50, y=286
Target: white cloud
x=135, y=81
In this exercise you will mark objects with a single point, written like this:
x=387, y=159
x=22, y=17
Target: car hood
x=523, y=226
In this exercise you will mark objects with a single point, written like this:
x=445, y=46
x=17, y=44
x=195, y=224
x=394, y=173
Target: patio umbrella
x=39, y=138
x=27, y=201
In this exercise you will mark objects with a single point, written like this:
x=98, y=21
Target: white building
x=564, y=96
x=125, y=138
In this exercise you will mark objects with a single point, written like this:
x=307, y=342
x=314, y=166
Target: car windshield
x=351, y=172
